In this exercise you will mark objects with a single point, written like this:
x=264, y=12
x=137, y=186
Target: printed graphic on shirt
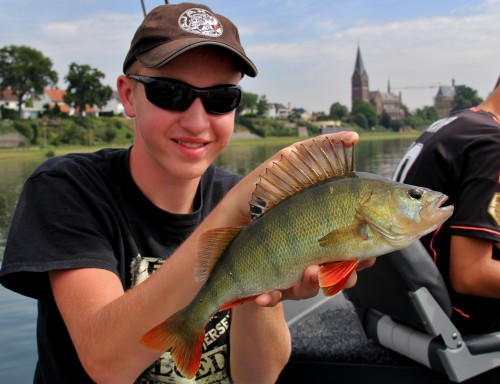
x=214, y=360
x=406, y=163
x=494, y=207
x=440, y=124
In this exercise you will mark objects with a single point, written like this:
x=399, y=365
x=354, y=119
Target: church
x=385, y=102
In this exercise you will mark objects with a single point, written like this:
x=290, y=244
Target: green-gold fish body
x=310, y=208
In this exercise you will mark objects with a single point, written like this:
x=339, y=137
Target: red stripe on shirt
x=476, y=229
x=431, y=244
x=461, y=312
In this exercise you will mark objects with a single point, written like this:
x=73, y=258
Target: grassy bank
x=61, y=150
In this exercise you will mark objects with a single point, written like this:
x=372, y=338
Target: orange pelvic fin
x=185, y=347
x=334, y=276
x=237, y=302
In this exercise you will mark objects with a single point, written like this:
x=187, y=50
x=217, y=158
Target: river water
x=18, y=314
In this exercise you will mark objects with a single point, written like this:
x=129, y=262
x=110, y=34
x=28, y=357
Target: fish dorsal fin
x=212, y=245
x=301, y=169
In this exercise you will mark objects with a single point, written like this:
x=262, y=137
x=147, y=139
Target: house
x=52, y=98
x=114, y=106
x=277, y=111
x=8, y=99
x=301, y=114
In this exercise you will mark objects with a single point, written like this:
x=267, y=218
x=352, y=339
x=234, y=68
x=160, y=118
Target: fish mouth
x=435, y=212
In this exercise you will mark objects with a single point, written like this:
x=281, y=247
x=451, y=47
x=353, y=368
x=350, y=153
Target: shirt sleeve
x=59, y=223
x=478, y=190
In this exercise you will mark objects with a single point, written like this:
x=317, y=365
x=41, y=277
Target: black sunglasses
x=175, y=95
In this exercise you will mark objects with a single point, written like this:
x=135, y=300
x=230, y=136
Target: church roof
x=359, y=67
x=446, y=91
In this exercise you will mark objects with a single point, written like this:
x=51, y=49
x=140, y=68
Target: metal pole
x=143, y=8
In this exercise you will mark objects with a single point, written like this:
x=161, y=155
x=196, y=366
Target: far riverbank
x=37, y=152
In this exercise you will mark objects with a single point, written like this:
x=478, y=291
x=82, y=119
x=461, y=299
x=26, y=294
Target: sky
x=305, y=51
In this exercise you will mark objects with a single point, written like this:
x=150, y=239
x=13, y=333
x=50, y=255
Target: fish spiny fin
x=185, y=347
x=212, y=244
x=333, y=276
x=299, y=170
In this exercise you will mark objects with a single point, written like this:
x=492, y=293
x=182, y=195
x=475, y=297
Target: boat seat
x=403, y=304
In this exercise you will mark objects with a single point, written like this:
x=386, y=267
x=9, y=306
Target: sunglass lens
x=169, y=95
x=222, y=100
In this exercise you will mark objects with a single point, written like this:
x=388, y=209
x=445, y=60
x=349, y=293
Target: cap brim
x=162, y=54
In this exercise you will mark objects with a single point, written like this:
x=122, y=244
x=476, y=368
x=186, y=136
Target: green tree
x=385, y=119
x=361, y=120
x=338, y=111
x=85, y=88
x=248, y=103
x=465, y=97
x=423, y=117
x=262, y=106
x=428, y=113
x=26, y=71
x=361, y=107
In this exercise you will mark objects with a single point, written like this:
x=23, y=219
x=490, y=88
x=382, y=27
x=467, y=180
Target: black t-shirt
x=460, y=157
x=85, y=211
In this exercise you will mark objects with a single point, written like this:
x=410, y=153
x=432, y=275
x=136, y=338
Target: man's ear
x=123, y=85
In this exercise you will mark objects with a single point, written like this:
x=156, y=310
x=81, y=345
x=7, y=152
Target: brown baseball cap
x=172, y=29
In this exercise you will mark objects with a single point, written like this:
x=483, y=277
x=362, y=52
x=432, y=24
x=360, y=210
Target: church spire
x=359, y=80
x=359, y=67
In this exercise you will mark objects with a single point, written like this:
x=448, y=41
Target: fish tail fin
x=333, y=276
x=185, y=344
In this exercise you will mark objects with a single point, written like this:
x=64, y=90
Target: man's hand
x=308, y=287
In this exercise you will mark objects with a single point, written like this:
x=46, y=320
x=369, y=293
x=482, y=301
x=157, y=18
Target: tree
x=26, y=71
x=85, y=88
x=365, y=108
x=338, y=111
x=428, y=113
x=385, y=119
x=248, y=103
x=465, y=97
x=361, y=120
x=423, y=117
x=262, y=106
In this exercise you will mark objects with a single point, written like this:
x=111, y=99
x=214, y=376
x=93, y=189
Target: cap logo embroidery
x=200, y=22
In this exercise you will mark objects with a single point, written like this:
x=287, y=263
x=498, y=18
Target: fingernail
x=348, y=136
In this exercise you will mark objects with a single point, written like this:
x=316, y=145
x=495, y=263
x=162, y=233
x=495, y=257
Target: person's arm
x=106, y=323
x=473, y=271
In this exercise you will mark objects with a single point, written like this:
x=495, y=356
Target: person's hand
x=308, y=287
x=236, y=201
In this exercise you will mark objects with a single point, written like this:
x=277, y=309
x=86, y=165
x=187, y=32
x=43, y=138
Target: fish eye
x=415, y=193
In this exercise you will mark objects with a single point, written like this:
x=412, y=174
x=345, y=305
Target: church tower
x=359, y=80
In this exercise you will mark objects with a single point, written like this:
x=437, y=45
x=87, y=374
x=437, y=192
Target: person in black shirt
x=107, y=241
x=460, y=156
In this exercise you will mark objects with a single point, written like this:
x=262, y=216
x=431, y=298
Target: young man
x=460, y=156
x=90, y=227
